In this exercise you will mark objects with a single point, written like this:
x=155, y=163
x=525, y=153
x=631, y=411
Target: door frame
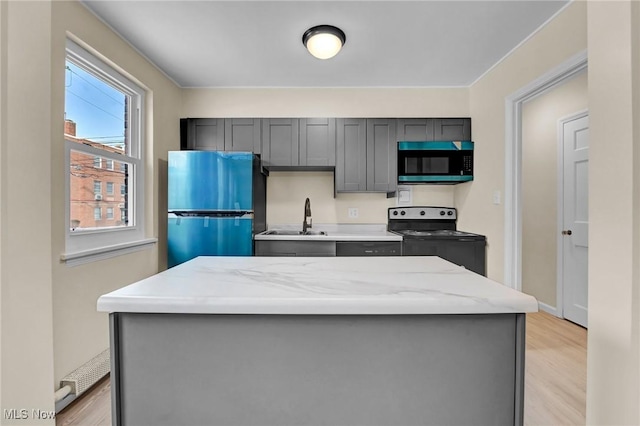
x=513, y=160
x=559, y=310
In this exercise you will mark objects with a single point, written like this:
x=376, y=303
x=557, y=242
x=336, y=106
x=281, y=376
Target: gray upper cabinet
x=280, y=142
x=242, y=134
x=381, y=155
x=366, y=155
x=452, y=129
x=415, y=129
x=205, y=134
x=317, y=142
x=351, y=155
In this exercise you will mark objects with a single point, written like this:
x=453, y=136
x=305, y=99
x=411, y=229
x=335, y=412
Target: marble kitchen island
x=317, y=341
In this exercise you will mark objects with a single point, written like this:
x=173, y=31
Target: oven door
x=467, y=252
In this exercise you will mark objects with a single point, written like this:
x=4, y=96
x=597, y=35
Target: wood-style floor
x=555, y=380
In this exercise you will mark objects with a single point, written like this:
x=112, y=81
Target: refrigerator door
x=190, y=236
x=210, y=180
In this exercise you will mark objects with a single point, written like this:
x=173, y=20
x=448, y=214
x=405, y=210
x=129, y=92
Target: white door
x=575, y=221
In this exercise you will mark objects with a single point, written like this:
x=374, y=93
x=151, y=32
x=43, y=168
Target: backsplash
x=287, y=191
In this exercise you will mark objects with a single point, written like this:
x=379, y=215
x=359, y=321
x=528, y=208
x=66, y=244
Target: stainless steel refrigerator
x=216, y=203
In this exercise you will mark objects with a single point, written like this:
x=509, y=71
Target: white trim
x=103, y=240
x=86, y=256
x=560, y=208
x=548, y=309
x=513, y=160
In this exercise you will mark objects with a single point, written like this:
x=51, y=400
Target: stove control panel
x=404, y=213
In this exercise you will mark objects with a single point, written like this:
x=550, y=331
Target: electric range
x=431, y=231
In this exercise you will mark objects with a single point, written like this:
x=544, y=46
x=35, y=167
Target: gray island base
x=220, y=354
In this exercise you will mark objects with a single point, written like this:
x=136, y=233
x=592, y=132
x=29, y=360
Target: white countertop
x=319, y=286
x=335, y=232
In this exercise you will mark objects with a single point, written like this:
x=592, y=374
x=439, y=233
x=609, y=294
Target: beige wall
x=79, y=331
x=48, y=310
x=540, y=184
x=26, y=335
x=337, y=102
x=613, y=353
x=562, y=38
x=286, y=191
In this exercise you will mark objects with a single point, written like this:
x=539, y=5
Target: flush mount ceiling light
x=324, y=41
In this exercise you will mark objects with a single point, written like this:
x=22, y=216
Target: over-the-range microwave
x=444, y=162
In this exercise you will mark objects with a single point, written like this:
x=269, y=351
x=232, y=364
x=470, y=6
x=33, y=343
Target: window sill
x=88, y=256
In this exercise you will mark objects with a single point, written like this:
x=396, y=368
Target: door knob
x=567, y=232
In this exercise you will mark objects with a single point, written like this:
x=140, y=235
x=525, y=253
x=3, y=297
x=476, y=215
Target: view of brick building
x=98, y=185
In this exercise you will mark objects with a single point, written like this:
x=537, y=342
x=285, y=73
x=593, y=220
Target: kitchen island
x=317, y=341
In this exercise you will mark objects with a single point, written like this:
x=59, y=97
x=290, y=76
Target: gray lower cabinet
x=198, y=369
x=295, y=248
x=242, y=134
x=366, y=155
x=205, y=134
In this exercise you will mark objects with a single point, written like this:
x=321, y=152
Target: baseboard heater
x=78, y=381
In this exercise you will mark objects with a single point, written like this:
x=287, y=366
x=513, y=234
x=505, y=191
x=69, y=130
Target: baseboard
x=548, y=309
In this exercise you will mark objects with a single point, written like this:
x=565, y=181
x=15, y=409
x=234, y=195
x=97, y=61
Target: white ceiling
x=389, y=43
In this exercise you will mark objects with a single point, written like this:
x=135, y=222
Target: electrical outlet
x=353, y=212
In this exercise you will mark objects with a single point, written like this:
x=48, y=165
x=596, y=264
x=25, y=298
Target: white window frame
x=84, y=246
x=109, y=185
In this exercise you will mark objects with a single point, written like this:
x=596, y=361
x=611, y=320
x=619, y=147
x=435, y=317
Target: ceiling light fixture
x=324, y=41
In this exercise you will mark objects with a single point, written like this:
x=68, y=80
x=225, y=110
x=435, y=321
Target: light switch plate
x=497, y=197
x=404, y=195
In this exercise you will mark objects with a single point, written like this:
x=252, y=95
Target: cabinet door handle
x=567, y=232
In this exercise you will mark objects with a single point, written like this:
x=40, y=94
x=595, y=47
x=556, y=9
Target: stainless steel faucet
x=307, y=215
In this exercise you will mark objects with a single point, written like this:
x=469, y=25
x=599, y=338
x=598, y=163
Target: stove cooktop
x=437, y=233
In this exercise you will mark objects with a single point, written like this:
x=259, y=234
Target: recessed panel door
x=575, y=232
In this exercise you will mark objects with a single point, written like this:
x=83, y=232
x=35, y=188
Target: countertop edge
x=329, y=237
x=286, y=307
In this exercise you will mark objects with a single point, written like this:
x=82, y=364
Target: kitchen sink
x=291, y=232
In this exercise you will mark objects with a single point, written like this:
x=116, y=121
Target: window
x=103, y=142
